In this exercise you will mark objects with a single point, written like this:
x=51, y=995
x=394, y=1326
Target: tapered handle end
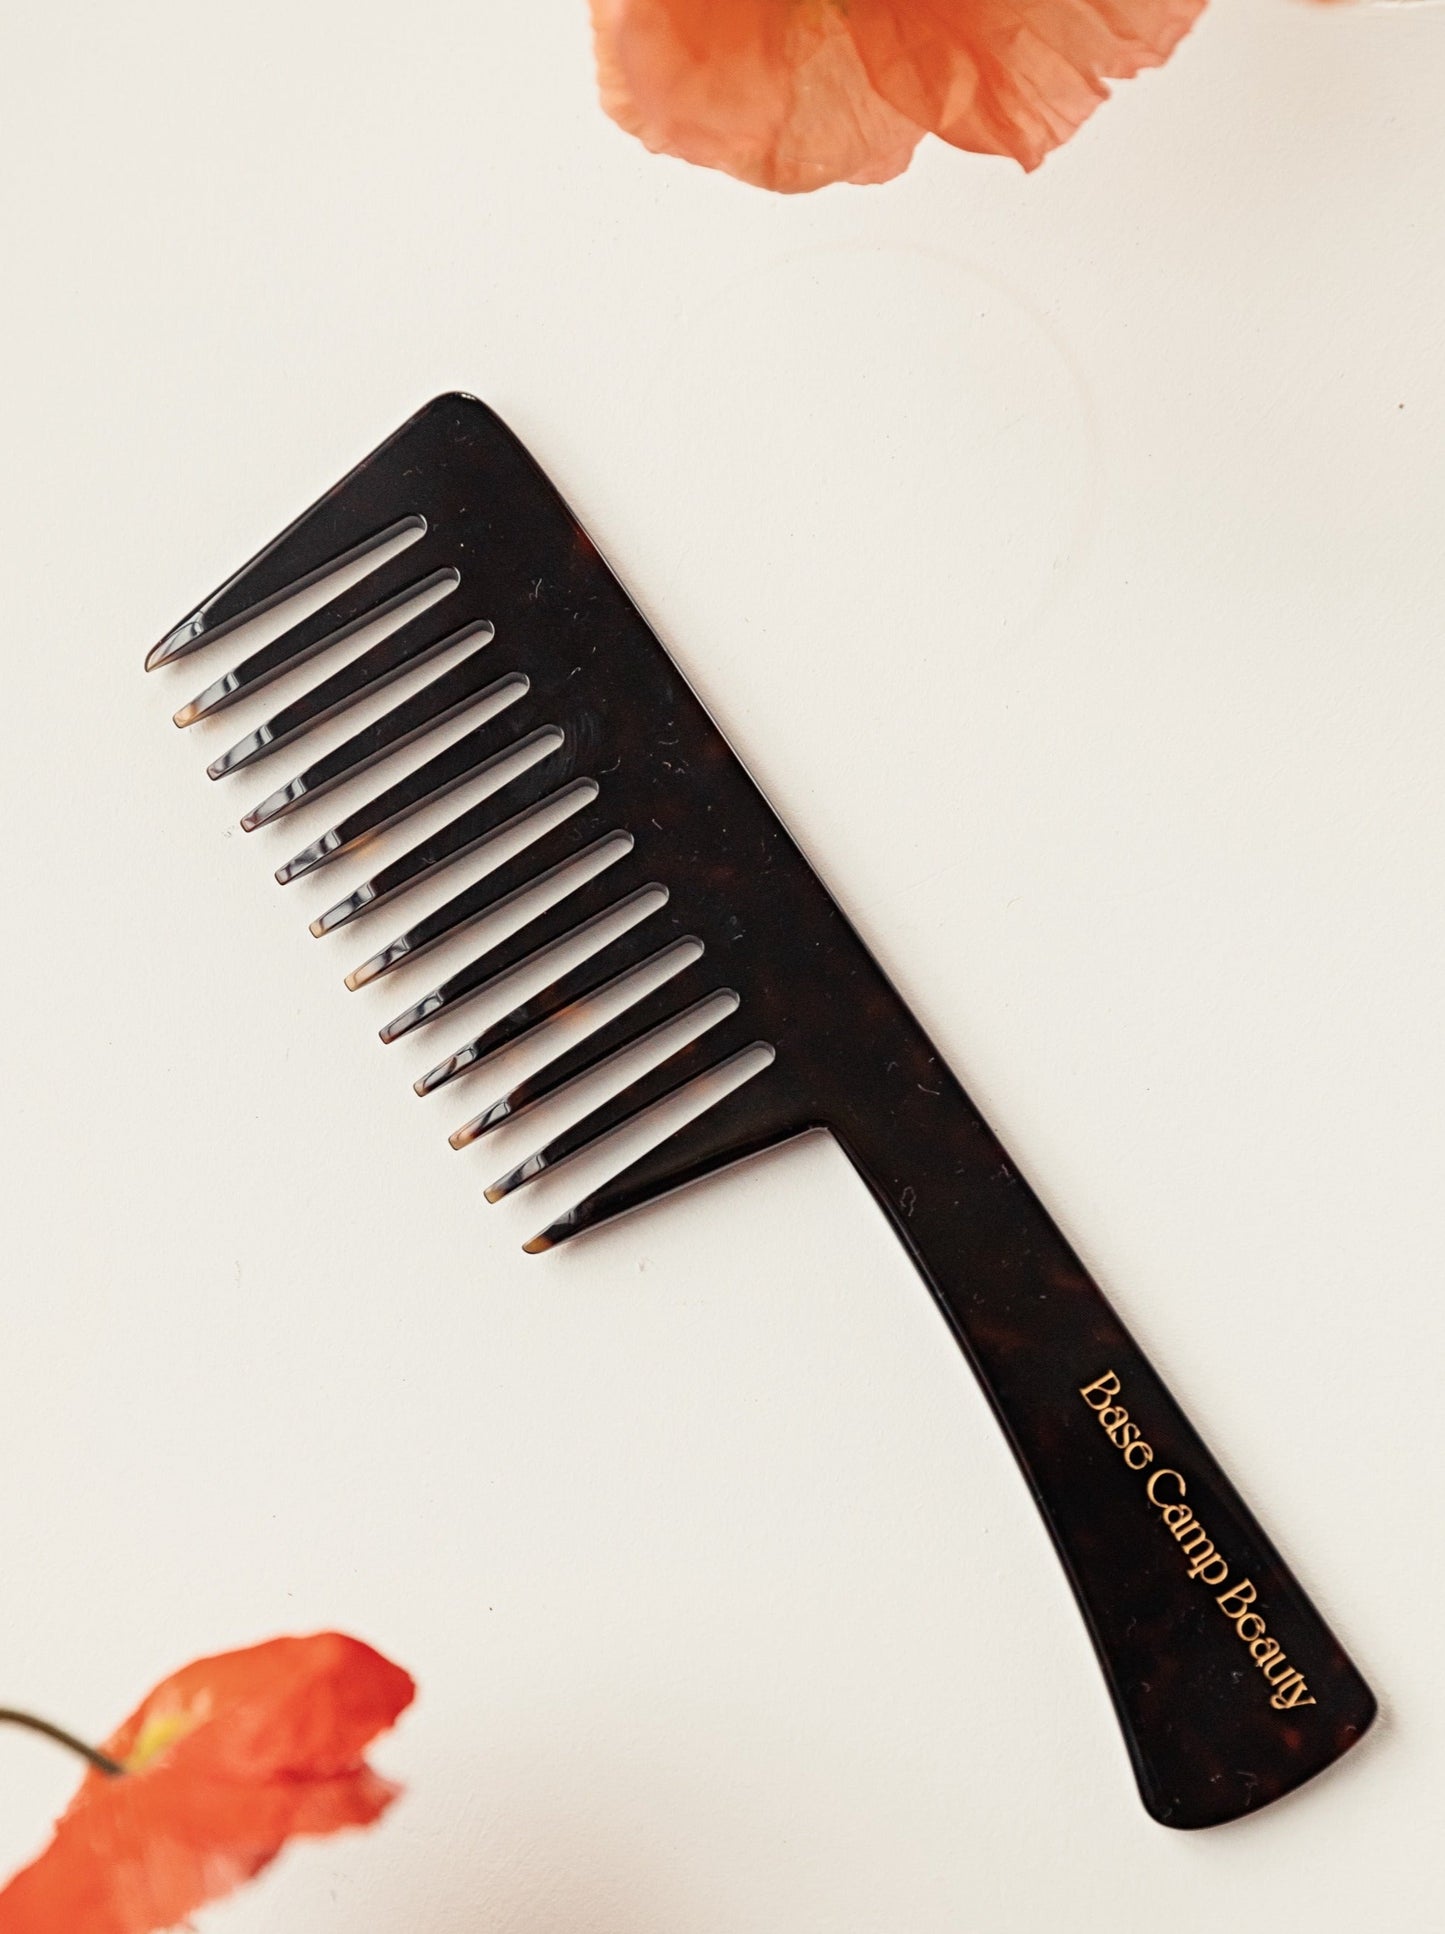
x=1201, y=1784
x=1230, y=1687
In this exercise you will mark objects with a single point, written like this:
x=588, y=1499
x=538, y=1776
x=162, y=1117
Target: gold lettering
x=1107, y=1386
x=1153, y=1496
x=1238, y=1591
x=1288, y=1697
x=1204, y=1563
x=1114, y=1420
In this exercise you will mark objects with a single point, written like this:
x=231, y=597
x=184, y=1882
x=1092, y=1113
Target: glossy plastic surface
x=1230, y=1689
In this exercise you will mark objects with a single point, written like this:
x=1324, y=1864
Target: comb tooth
x=350, y=520
x=664, y=1007
x=743, y=1122
x=631, y=953
x=410, y=644
x=390, y=585
x=510, y=805
x=496, y=890
x=470, y=757
x=333, y=533
x=462, y=685
x=709, y=1053
x=570, y=918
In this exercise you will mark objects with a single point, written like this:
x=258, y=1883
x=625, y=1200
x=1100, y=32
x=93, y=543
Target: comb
x=1229, y=1687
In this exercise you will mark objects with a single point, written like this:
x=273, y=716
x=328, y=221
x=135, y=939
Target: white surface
x=1065, y=554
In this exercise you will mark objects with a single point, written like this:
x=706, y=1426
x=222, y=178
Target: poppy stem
x=102, y=1762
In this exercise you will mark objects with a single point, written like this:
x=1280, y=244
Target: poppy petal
x=229, y=1759
x=774, y=93
x=1012, y=77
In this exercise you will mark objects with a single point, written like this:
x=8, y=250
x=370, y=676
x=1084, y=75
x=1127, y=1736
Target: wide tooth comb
x=710, y=1053
x=479, y=752
x=632, y=953
x=455, y=691
x=728, y=1132
x=391, y=585
x=586, y=908
x=1230, y=1688
x=334, y=533
x=654, y=1014
x=411, y=644
x=524, y=798
x=499, y=890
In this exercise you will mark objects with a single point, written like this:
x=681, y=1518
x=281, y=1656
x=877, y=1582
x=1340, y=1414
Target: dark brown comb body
x=1230, y=1688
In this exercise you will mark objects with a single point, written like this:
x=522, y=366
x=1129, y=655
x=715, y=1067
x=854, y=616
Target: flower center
x=159, y=1731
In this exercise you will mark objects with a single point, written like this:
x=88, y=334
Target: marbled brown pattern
x=1205, y=1742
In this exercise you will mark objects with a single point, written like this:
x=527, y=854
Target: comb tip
x=518, y=1177
x=176, y=642
x=378, y=964
x=479, y=1125
x=434, y=1078
x=310, y=857
x=269, y=808
x=403, y=1023
x=571, y=1223
x=344, y=910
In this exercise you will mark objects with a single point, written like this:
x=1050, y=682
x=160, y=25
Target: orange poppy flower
x=224, y=1762
x=792, y=94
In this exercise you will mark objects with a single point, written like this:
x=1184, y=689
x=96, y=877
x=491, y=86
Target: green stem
x=102, y=1762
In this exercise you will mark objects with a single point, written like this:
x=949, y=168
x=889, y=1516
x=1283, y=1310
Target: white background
x=1065, y=554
